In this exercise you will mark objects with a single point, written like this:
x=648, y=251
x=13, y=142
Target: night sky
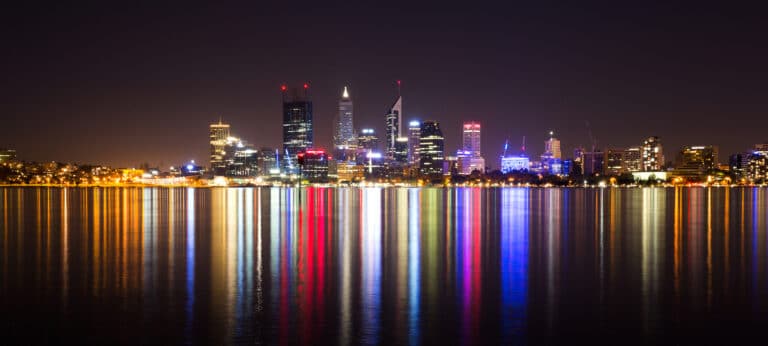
x=123, y=85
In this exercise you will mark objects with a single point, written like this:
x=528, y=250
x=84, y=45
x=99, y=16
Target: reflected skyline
x=383, y=266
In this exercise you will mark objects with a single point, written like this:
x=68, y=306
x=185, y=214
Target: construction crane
x=592, y=138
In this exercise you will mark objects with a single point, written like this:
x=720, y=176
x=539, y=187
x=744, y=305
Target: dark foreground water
x=383, y=266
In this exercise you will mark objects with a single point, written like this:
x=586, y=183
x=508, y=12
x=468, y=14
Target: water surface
x=383, y=266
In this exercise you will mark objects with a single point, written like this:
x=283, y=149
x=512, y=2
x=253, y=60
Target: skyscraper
x=633, y=159
x=414, y=135
x=218, y=140
x=343, y=133
x=297, y=121
x=401, y=151
x=470, y=158
x=394, y=126
x=552, y=147
x=471, y=138
x=653, y=157
x=431, y=148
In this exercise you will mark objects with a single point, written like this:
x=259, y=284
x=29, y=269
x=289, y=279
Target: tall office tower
x=401, y=150
x=431, y=148
x=414, y=135
x=633, y=159
x=297, y=121
x=653, y=157
x=343, y=134
x=552, y=147
x=469, y=158
x=471, y=138
x=218, y=140
x=394, y=126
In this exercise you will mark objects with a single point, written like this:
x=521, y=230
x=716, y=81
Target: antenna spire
x=398, y=88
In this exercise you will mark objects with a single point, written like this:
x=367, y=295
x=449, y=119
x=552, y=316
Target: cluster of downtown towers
x=355, y=154
x=358, y=155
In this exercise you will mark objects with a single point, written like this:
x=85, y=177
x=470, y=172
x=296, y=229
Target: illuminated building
x=653, y=156
x=190, y=169
x=297, y=122
x=633, y=159
x=471, y=138
x=696, y=160
x=614, y=161
x=470, y=158
x=431, y=148
x=450, y=165
x=468, y=163
x=314, y=165
x=349, y=171
x=343, y=136
x=761, y=149
x=414, y=135
x=552, y=148
x=757, y=168
x=268, y=161
x=401, y=151
x=394, y=126
x=367, y=141
x=7, y=155
x=737, y=164
x=515, y=163
x=241, y=159
x=373, y=165
x=218, y=142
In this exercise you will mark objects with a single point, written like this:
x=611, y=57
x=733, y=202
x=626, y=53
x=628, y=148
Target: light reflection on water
x=383, y=266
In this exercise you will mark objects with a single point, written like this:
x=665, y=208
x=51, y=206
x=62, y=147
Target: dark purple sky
x=122, y=85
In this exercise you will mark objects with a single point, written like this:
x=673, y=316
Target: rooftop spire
x=345, y=94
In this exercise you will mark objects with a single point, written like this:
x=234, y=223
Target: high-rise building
x=367, y=140
x=470, y=158
x=297, y=121
x=614, y=161
x=653, y=156
x=696, y=160
x=431, y=148
x=633, y=159
x=471, y=138
x=552, y=147
x=401, y=150
x=394, y=126
x=414, y=135
x=343, y=134
x=219, y=133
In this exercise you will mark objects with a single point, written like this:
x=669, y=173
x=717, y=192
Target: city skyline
x=543, y=68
